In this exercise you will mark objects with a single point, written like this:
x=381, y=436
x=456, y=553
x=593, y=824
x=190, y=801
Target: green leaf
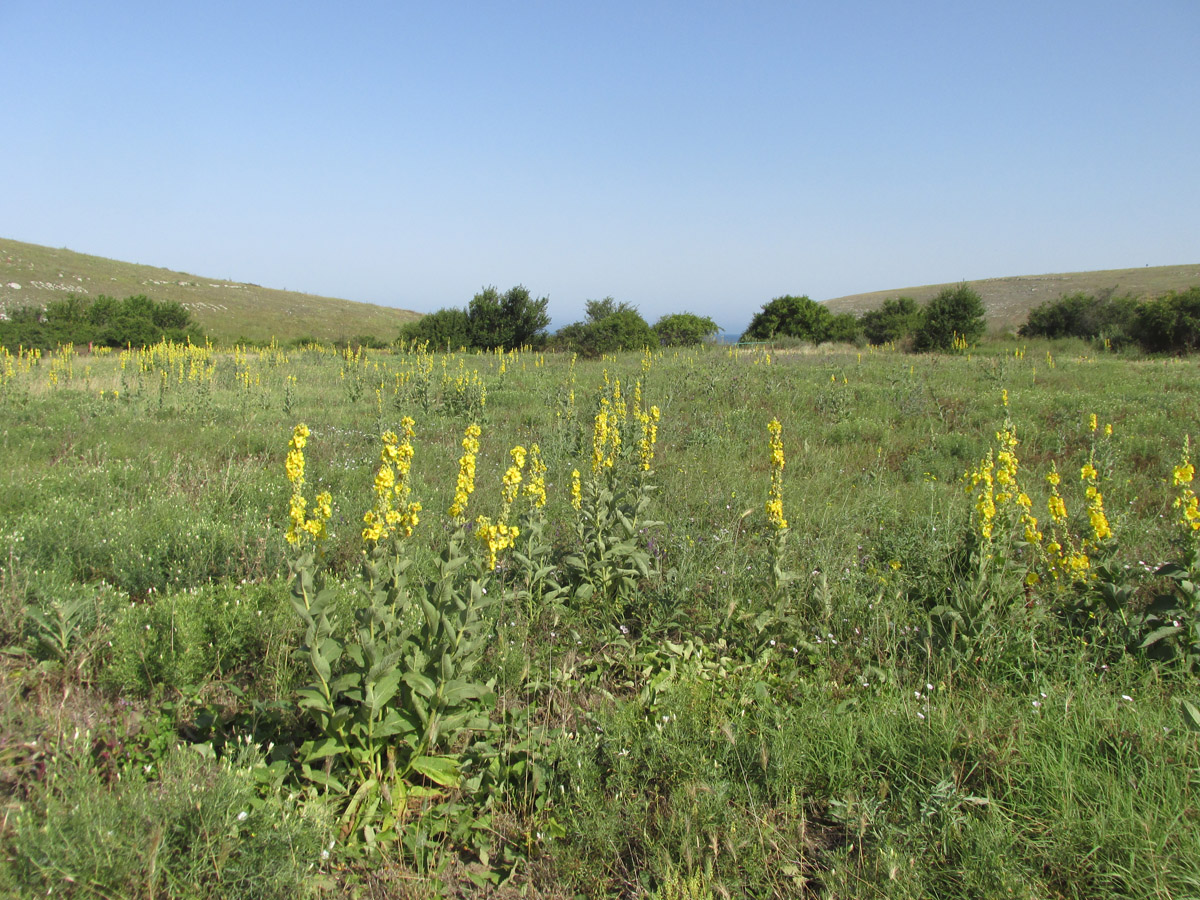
x=321, y=748
x=420, y=684
x=1190, y=713
x=441, y=770
x=1158, y=634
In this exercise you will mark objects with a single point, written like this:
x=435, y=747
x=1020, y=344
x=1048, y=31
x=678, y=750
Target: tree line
x=494, y=320
x=1166, y=324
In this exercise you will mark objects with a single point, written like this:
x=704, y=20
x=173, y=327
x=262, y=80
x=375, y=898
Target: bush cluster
x=107, y=322
x=954, y=315
x=1166, y=324
x=491, y=321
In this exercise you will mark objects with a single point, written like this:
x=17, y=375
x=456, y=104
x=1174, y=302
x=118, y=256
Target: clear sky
x=694, y=156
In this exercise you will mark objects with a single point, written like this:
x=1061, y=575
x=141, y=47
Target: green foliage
x=1080, y=315
x=179, y=639
x=895, y=320
x=135, y=321
x=446, y=330
x=393, y=702
x=1171, y=623
x=954, y=314
x=509, y=321
x=611, y=327
x=800, y=317
x=684, y=329
x=491, y=321
x=1169, y=324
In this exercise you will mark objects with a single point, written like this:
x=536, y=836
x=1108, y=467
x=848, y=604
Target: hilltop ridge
x=31, y=274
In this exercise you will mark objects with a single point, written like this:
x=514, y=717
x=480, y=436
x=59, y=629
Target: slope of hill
x=1009, y=300
x=227, y=311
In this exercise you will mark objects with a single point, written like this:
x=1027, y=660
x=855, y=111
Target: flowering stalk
x=301, y=526
x=465, y=484
x=499, y=536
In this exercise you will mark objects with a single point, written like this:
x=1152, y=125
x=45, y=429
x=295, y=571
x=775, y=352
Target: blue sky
x=678, y=156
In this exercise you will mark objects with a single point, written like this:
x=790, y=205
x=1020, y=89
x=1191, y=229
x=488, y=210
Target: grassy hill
x=1009, y=300
x=227, y=311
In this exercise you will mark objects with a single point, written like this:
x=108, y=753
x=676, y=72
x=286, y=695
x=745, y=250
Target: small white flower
x=1126, y=698
x=242, y=816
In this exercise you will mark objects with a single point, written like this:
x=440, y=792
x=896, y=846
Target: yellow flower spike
x=576, y=490
x=465, y=484
x=600, y=435
x=535, y=488
x=774, y=505
x=1093, y=424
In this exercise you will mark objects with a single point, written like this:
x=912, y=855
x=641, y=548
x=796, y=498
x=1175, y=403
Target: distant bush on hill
x=1170, y=323
x=1084, y=316
x=1166, y=324
x=107, y=322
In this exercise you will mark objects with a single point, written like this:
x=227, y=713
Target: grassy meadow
x=710, y=660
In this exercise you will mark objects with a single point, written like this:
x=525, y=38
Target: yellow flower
x=465, y=484
x=535, y=488
x=774, y=505
x=300, y=525
x=1092, y=423
x=600, y=435
x=1088, y=472
x=576, y=492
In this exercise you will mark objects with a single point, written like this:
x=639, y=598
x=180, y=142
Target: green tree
x=954, y=312
x=509, y=320
x=684, y=329
x=610, y=327
x=788, y=316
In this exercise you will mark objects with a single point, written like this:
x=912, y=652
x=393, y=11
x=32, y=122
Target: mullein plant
x=393, y=702
x=1171, y=623
x=533, y=582
x=777, y=541
x=611, y=505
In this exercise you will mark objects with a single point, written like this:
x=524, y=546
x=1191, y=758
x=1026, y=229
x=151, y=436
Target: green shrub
x=1083, y=316
x=1169, y=324
x=684, y=330
x=894, y=321
x=954, y=314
